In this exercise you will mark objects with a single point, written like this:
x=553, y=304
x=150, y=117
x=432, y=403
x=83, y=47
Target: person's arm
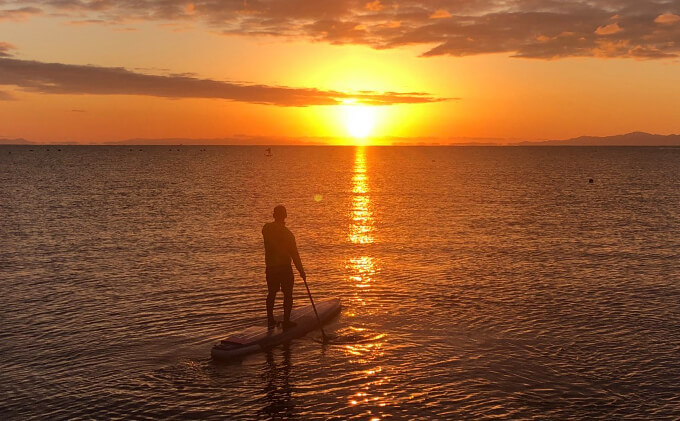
x=296, y=257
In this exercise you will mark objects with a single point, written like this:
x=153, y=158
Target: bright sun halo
x=359, y=120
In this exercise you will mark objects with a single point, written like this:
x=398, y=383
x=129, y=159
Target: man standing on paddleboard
x=279, y=250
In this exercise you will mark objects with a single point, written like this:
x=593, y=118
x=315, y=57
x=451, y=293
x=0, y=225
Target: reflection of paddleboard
x=259, y=338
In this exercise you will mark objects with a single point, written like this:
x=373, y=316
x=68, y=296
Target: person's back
x=278, y=243
x=279, y=250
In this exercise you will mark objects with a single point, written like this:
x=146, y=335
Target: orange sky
x=446, y=71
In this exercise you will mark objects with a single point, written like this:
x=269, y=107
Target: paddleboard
x=260, y=338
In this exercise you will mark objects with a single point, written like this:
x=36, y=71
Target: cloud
x=611, y=29
x=375, y=6
x=440, y=14
x=57, y=78
x=4, y=96
x=5, y=47
x=521, y=28
x=667, y=18
x=19, y=14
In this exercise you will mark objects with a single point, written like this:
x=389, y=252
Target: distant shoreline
x=637, y=139
x=469, y=145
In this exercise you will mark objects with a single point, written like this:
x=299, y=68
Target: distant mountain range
x=630, y=139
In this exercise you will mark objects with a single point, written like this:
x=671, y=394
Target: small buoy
x=591, y=181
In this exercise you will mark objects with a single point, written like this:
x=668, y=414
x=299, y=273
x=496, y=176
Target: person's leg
x=273, y=285
x=287, y=288
x=271, y=298
x=287, y=304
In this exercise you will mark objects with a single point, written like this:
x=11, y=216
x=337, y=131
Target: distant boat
x=269, y=152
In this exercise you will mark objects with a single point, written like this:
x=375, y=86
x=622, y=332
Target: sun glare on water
x=359, y=120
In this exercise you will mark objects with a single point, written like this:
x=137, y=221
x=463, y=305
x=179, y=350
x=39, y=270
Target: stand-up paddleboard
x=259, y=338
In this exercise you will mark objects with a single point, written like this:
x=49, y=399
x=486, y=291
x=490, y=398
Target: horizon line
x=636, y=138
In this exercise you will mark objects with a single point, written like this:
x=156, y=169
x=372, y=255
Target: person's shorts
x=280, y=278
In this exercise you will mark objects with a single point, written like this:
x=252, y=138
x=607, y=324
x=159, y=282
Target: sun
x=359, y=120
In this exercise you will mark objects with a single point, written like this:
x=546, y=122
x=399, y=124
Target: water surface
x=476, y=282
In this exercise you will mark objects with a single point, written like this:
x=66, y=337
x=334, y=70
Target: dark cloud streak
x=57, y=78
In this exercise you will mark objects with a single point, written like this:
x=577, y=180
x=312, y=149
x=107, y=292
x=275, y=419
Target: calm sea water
x=476, y=282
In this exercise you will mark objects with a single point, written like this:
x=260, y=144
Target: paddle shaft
x=314, y=307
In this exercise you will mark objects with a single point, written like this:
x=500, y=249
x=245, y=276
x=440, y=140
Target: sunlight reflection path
x=361, y=224
x=361, y=269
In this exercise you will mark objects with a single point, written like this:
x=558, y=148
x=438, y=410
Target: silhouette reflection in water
x=279, y=402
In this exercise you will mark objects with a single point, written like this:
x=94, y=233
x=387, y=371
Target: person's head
x=280, y=213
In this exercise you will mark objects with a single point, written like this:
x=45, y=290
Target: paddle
x=323, y=334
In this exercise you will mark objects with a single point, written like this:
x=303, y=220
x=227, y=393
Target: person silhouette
x=279, y=250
